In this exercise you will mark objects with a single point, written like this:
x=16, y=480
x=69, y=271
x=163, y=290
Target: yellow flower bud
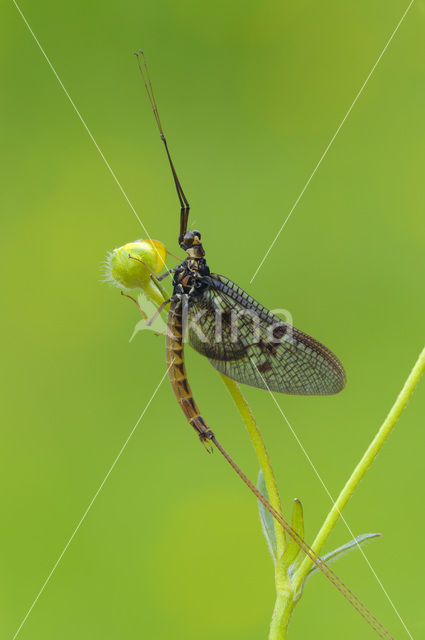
x=132, y=265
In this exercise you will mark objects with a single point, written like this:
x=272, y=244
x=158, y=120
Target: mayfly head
x=192, y=244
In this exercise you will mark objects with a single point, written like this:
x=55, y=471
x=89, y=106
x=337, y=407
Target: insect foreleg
x=157, y=312
x=145, y=317
x=153, y=274
x=166, y=274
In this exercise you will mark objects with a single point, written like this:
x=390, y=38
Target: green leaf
x=267, y=521
x=352, y=545
x=293, y=551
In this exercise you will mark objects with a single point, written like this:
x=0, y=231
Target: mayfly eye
x=197, y=233
x=188, y=238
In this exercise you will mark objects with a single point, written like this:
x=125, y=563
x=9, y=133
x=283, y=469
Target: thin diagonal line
x=333, y=501
x=89, y=507
x=331, y=141
x=341, y=516
x=81, y=119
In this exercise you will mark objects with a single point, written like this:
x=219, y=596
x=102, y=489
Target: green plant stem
x=284, y=603
x=262, y=455
x=283, y=607
x=282, y=612
x=364, y=464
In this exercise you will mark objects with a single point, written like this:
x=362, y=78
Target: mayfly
x=244, y=341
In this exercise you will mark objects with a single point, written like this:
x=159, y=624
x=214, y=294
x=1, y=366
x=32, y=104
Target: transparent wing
x=249, y=344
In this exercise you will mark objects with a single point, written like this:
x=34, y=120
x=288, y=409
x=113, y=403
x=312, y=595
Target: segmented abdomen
x=174, y=350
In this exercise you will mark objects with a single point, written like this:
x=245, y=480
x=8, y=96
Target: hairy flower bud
x=132, y=265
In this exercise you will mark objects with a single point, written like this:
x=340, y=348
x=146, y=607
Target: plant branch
x=284, y=603
x=262, y=455
x=364, y=464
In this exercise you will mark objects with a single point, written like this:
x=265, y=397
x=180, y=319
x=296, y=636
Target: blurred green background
x=250, y=93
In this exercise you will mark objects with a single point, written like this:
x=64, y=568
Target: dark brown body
x=174, y=349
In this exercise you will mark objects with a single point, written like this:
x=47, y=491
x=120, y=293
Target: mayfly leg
x=184, y=204
x=157, y=312
x=153, y=274
x=144, y=315
x=166, y=274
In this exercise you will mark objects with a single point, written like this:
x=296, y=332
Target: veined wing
x=251, y=345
